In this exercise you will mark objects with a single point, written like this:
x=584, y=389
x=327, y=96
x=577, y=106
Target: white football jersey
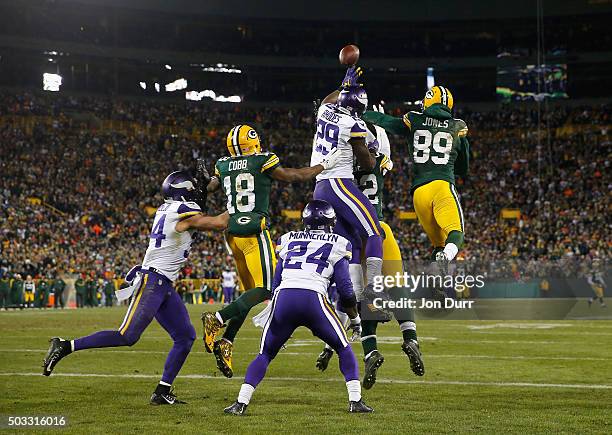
x=228, y=278
x=168, y=249
x=309, y=257
x=334, y=130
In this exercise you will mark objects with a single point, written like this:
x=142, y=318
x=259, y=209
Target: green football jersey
x=371, y=183
x=435, y=146
x=246, y=181
x=437, y=142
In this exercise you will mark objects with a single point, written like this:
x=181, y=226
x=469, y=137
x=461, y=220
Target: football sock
x=246, y=301
x=356, y=273
x=373, y=269
x=354, y=390
x=408, y=329
x=398, y=294
x=245, y=394
x=450, y=250
x=368, y=336
x=455, y=237
x=233, y=326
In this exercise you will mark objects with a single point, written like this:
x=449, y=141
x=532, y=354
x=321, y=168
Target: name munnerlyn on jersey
x=334, y=130
x=308, y=259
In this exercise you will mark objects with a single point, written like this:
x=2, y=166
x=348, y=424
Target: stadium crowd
x=74, y=197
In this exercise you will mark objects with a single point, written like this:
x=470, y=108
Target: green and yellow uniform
x=91, y=298
x=247, y=183
x=109, y=291
x=371, y=183
x=439, y=149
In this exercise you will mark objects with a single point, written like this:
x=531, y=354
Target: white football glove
x=355, y=328
x=331, y=159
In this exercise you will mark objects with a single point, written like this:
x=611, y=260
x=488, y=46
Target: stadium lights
x=168, y=66
x=197, y=96
x=52, y=82
x=157, y=87
x=143, y=85
x=176, y=85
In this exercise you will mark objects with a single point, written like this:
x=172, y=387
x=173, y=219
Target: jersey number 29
x=442, y=145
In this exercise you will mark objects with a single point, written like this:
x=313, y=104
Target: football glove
x=331, y=159
x=351, y=77
x=355, y=328
x=202, y=178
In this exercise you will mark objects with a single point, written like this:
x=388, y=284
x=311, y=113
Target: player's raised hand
x=351, y=78
x=331, y=159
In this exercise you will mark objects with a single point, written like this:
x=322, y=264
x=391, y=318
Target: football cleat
x=372, y=364
x=236, y=408
x=58, y=349
x=223, y=353
x=168, y=398
x=442, y=262
x=323, y=359
x=359, y=407
x=211, y=327
x=411, y=349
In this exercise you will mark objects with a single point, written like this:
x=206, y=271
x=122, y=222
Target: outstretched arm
x=307, y=173
x=342, y=279
x=364, y=158
x=389, y=123
x=204, y=223
x=462, y=165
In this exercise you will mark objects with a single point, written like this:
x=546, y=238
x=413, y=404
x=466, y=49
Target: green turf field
x=488, y=377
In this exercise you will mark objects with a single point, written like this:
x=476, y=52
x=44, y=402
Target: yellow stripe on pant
x=333, y=313
x=136, y=302
x=438, y=210
x=255, y=259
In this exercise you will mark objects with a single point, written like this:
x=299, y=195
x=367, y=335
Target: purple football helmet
x=179, y=186
x=353, y=99
x=319, y=215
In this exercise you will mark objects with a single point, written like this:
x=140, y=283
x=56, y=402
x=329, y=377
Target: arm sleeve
x=342, y=279
x=389, y=123
x=383, y=141
x=277, y=275
x=272, y=163
x=462, y=165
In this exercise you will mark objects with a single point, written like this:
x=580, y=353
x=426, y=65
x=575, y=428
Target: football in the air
x=349, y=55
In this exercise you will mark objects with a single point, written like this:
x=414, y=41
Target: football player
x=371, y=183
x=439, y=149
x=151, y=285
x=309, y=261
x=246, y=177
x=339, y=127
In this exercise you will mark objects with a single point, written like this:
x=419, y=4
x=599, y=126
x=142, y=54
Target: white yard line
x=315, y=379
x=398, y=355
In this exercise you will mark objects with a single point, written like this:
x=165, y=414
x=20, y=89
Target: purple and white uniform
x=357, y=218
x=228, y=283
x=309, y=261
x=152, y=291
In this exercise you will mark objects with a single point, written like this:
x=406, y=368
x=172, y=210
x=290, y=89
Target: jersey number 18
x=245, y=190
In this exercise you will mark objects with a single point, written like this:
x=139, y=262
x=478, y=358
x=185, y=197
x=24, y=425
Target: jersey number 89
x=442, y=144
x=245, y=189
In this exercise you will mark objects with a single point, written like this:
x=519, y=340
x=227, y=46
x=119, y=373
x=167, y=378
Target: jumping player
x=309, y=261
x=246, y=176
x=339, y=127
x=439, y=149
x=151, y=290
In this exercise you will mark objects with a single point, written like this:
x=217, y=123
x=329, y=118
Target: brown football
x=349, y=55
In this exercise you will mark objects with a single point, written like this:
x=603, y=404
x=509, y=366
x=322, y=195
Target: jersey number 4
x=245, y=193
x=299, y=248
x=442, y=145
x=157, y=232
